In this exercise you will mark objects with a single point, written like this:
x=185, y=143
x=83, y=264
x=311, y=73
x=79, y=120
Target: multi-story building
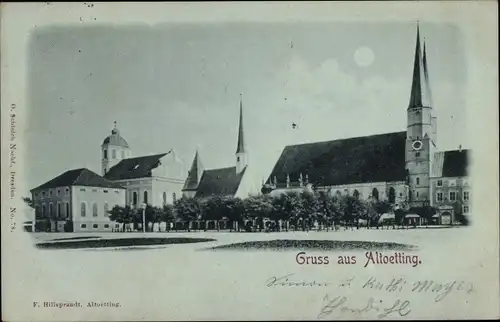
x=78, y=200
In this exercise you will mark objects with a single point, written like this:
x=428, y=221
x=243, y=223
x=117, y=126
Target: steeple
x=241, y=153
x=194, y=174
x=426, y=72
x=419, y=96
x=241, y=142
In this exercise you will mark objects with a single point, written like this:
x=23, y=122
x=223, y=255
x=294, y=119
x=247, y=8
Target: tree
x=167, y=215
x=259, y=207
x=187, y=210
x=234, y=210
x=29, y=202
x=124, y=215
x=326, y=208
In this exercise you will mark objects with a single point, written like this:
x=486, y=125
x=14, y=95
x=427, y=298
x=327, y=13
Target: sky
x=177, y=86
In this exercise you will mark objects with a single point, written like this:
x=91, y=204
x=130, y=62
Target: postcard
x=249, y=161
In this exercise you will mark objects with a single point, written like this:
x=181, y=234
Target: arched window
x=105, y=154
x=51, y=210
x=134, y=198
x=418, y=180
x=113, y=154
x=38, y=213
x=44, y=211
x=106, y=213
x=164, y=198
x=94, y=209
x=392, y=195
x=59, y=212
x=356, y=193
x=237, y=159
x=83, y=209
x=375, y=193
x=145, y=197
x=67, y=210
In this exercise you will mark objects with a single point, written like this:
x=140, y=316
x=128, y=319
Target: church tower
x=114, y=148
x=420, y=137
x=241, y=150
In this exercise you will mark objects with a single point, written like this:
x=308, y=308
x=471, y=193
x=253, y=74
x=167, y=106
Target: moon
x=364, y=56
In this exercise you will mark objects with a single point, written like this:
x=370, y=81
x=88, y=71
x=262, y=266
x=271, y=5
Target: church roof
x=420, y=90
x=219, y=182
x=375, y=158
x=78, y=177
x=453, y=163
x=133, y=168
x=115, y=139
x=195, y=173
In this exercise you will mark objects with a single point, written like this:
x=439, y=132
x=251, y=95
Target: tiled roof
x=376, y=158
x=134, y=168
x=219, y=182
x=451, y=163
x=78, y=177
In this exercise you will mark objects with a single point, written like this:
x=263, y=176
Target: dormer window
x=105, y=154
x=135, y=167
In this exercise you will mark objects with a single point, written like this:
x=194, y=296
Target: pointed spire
x=426, y=73
x=194, y=174
x=419, y=95
x=241, y=142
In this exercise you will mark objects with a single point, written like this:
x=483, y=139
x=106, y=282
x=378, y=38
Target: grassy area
x=325, y=245
x=120, y=242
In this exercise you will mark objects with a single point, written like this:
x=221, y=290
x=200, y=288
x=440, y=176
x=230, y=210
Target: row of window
x=135, y=198
x=50, y=192
x=95, y=210
x=113, y=154
x=97, y=226
x=451, y=182
x=452, y=196
x=97, y=190
x=42, y=210
x=374, y=194
x=58, y=191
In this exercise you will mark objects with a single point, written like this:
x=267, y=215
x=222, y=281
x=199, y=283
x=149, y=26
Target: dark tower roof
x=194, y=174
x=419, y=96
x=426, y=72
x=241, y=142
x=115, y=139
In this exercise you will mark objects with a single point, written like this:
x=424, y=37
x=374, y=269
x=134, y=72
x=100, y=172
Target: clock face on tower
x=417, y=145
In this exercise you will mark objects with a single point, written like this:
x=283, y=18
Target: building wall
x=441, y=187
x=247, y=186
x=137, y=187
x=90, y=222
x=165, y=191
x=60, y=199
x=366, y=190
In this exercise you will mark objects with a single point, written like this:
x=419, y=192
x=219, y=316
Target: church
x=399, y=167
x=232, y=181
x=155, y=180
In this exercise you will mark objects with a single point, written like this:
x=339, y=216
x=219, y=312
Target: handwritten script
x=396, y=306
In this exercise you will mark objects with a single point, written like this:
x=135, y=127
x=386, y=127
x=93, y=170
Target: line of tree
x=296, y=211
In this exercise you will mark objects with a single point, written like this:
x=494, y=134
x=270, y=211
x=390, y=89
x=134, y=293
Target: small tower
x=420, y=134
x=114, y=148
x=241, y=151
x=193, y=178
